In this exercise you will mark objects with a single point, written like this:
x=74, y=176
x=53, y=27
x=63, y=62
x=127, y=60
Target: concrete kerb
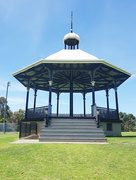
x=21, y=141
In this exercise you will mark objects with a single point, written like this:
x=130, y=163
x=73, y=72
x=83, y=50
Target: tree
x=131, y=122
x=2, y=103
x=10, y=117
x=19, y=115
x=2, y=106
x=128, y=121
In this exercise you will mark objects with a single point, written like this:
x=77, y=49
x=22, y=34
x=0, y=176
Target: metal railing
x=38, y=112
x=68, y=115
x=101, y=113
x=104, y=113
x=107, y=113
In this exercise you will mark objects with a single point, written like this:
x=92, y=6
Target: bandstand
x=71, y=70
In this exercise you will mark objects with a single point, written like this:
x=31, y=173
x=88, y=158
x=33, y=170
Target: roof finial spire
x=71, y=21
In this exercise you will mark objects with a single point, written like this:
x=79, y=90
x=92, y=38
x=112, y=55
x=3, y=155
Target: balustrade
x=38, y=112
x=107, y=113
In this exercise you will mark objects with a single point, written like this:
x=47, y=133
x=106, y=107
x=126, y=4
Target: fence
x=9, y=127
x=27, y=129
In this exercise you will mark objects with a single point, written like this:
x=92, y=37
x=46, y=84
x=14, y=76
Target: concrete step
x=72, y=126
x=72, y=130
x=70, y=133
x=91, y=128
x=76, y=119
x=73, y=120
x=73, y=123
x=70, y=139
x=76, y=122
x=96, y=130
x=75, y=136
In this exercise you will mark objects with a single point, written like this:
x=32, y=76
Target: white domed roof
x=71, y=36
x=76, y=55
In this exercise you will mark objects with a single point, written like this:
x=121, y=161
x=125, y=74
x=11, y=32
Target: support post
x=50, y=94
x=27, y=97
x=84, y=103
x=116, y=99
x=35, y=94
x=71, y=99
x=71, y=94
x=58, y=103
x=93, y=89
x=107, y=97
x=93, y=92
x=50, y=87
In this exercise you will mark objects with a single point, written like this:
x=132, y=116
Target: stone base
x=113, y=131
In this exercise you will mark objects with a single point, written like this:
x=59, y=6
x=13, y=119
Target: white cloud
x=16, y=101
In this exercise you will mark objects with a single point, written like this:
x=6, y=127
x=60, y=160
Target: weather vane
x=71, y=21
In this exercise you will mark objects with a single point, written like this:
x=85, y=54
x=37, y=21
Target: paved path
x=37, y=141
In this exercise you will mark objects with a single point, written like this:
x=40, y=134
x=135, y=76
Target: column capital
x=115, y=89
x=27, y=89
x=50, y=83
x=107, y=93
x=35, y=92
x=93, y=83
x=83, y=93
x=84, y=98
x=58, y=96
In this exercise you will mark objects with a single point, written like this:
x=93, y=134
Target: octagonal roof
x=80, y=63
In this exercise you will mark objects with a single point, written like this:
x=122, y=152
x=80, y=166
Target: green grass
x=128, y=133
x=116, y=160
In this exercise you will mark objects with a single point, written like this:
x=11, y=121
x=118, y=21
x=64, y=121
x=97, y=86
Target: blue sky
x=34, y=29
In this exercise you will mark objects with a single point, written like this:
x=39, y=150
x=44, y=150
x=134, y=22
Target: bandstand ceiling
x=79, y=71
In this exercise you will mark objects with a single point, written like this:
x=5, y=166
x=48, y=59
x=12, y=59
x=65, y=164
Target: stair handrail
x=95, y=114
x=46, y=117
x=98, y=117
x=48, y=112
x=94, y=110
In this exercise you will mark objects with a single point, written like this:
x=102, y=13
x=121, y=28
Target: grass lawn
x=116, y=160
